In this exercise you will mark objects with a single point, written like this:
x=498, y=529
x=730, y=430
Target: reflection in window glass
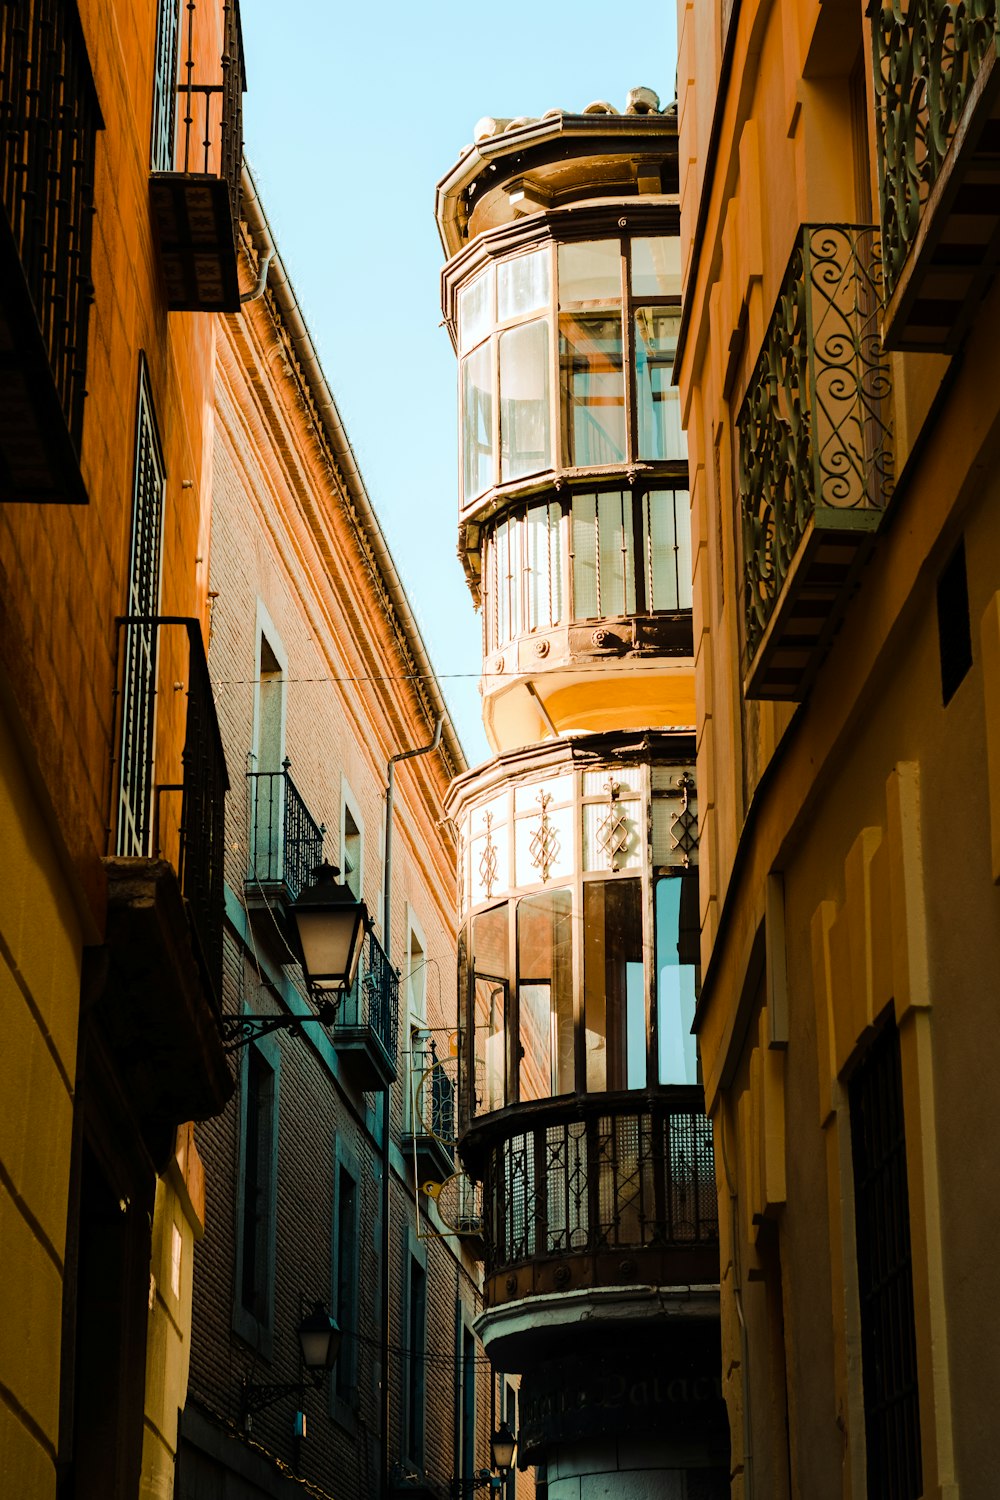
x=489, y=958
x=656, y=267
x=543, y=570
x=525, y=445
x=522, y=285
x=612, y=938
x=657, y=399
x=592, y=389
x=676, y=976
x=545, y=994
x=475, y=310
x=590, y=272
x=477, y=421
x=666, y=519
x=603, y=555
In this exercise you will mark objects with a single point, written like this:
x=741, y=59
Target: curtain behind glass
x=615, y=1026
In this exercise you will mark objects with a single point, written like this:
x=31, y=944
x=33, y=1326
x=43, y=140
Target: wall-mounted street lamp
x=319, y=1345
x=503, y=1447
x=328, y=926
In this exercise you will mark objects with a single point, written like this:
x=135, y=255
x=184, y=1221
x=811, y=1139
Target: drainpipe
x=386, y=943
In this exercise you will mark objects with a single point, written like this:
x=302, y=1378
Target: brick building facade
x=320, y=678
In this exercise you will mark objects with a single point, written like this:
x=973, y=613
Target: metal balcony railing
x=49, y=119
x=815, y=453
x=286, y=842
x=372, y=1006
x=927, y=57
x=169, y=747
x=605, y=1180
x=197, y=153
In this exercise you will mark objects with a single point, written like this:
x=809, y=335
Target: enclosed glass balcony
x=566, y=355
x=578, y=957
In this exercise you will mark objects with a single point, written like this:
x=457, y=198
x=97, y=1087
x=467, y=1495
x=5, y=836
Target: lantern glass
x=320, y=1339
x=503, y=1443
x=330, y=926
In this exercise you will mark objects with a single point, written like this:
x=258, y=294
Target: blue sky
x=352, y=115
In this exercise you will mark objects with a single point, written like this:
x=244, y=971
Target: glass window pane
x=545, y=993
x=525, y=438
x=661, y=549
x=544, y=566
x=477, y=421
x=522, y=284
x=617, y=560
x=612, y=938
x=592, y=384
x=489, y=950
x=657, y=399
x=475, y=310
x=677, y=976
x=585, y=557
x=590, y=272
x=656, y=267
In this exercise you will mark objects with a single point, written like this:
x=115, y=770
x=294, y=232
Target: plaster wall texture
x=40, y=957
x=874, y=803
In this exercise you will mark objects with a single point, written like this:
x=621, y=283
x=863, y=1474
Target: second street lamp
x=328, y=926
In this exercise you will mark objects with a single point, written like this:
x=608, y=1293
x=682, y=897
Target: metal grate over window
x=161, y=149
x=49, y=118
x=885, y=1279
x=139, y=639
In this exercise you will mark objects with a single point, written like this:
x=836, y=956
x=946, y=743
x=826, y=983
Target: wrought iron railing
x=286, y=842
x=205, y=135
x=49, y=118
x=145, y=763
x=600, y=1172
x=434, y=1095
x=373, y=1004
x=926, y=57
x=814, y=428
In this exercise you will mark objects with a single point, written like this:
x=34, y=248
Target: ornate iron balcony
x=815, y=455
x=597, y=1190
x=937, y=93
x=367, y=1030
x=161, y=662
x=197, y=155
x=49, y=119
x=286, y=842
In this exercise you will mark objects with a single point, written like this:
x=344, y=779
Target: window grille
x=49, y=119
x=139, y=639
x=885, y=1277
x=161, y=150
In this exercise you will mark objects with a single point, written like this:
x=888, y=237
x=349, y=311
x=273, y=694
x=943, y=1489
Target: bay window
x=567, y=340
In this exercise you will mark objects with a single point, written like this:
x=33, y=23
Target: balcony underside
x=365, y=1059
x=38, y=460
x=434, y=1160
x=193, y=215
x=957, y=246
x=668, y=1265
x=158, y=1007
x=812, y=602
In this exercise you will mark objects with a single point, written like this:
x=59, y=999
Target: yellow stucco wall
x=40, y=963
x=849, y=845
